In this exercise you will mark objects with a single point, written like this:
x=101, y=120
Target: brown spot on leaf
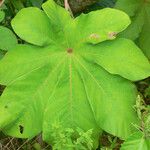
x=94, y=36
x=112, y=35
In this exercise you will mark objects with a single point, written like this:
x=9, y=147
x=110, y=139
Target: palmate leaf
x=64, y=77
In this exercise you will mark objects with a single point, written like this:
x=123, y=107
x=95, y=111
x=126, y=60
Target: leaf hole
x=21, y=129
x=2, y=88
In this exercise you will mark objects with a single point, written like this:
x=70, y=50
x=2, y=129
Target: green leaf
x=58, y=16
x=128, y=6
x=8, y=39
x=144, y=40
x=99, y=4
x=134, y=30
x=118, y=54
x=133, y=9
x=37, y=3
x=61, y=23
x=33, y=26
x=139, y=11
x=137, y=141
x=18, y=4
x=1, y=54
x=2, y=16
x=58, y=79
x=95, y=30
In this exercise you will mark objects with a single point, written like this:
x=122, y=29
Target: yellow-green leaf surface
x=101, y=25
x=65, y=78
x=137, y=141
x=33, y=26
